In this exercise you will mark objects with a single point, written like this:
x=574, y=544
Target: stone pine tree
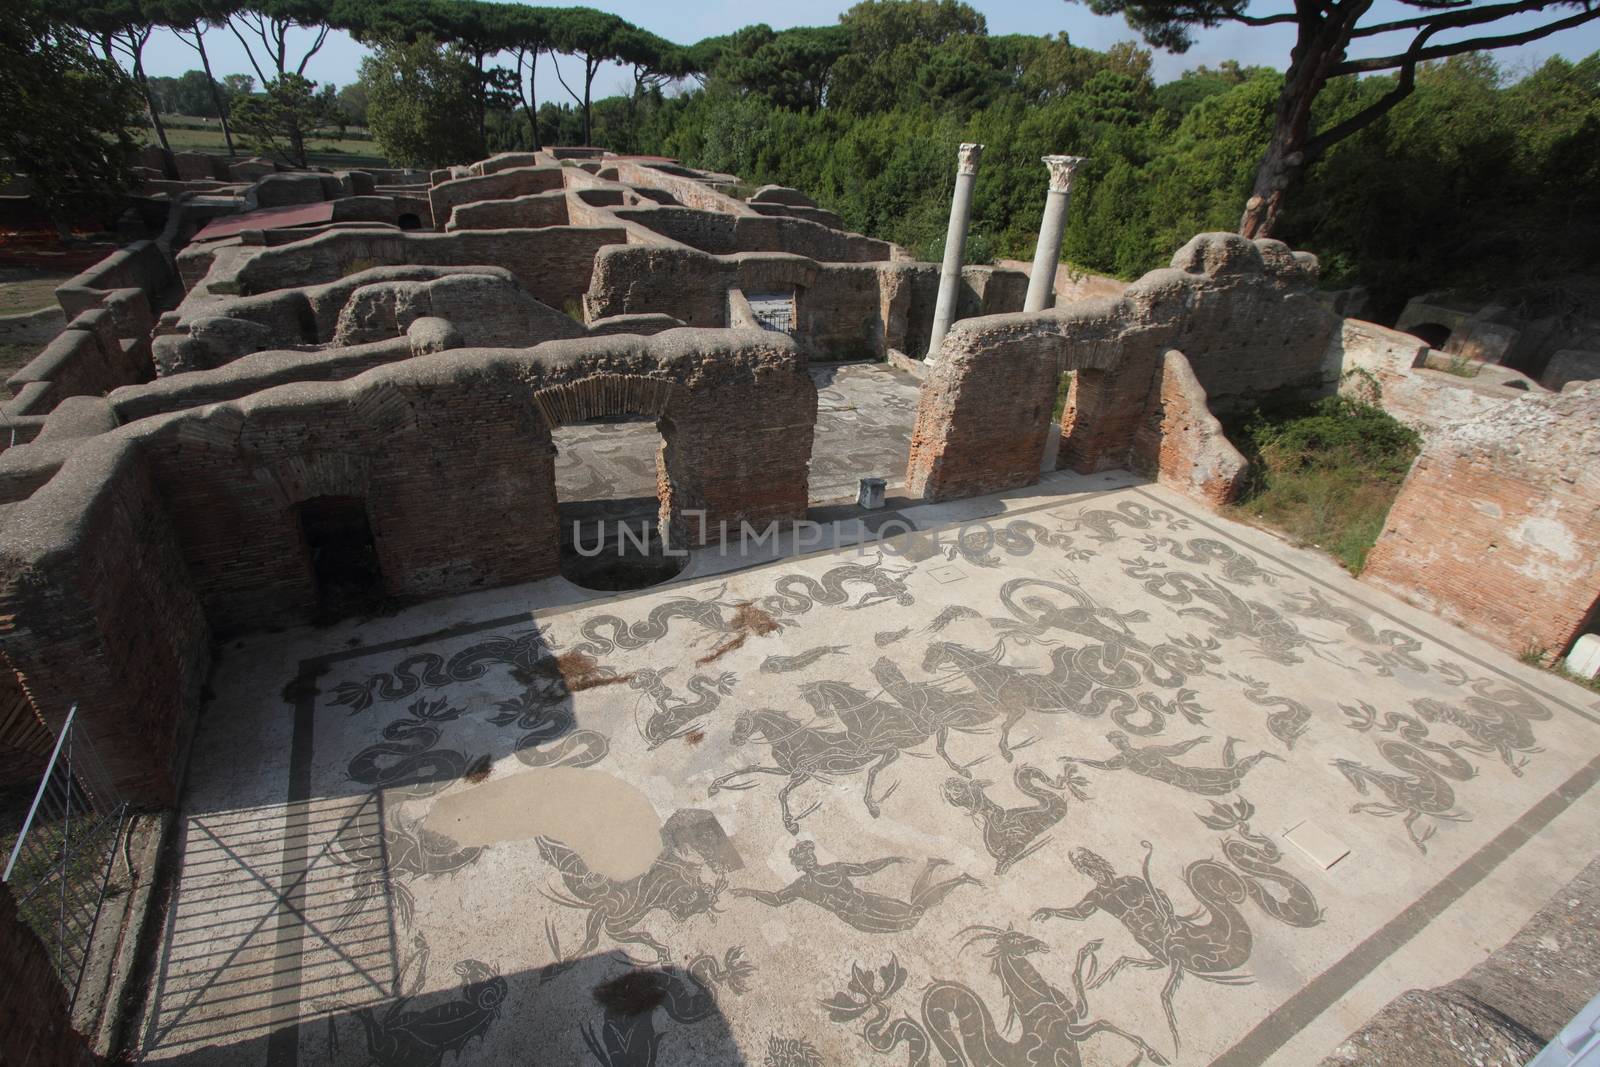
x=188, y=20
x=1325, y=30
x=592, y=37
x=67, y=116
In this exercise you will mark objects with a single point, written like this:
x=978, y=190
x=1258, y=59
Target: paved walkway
x=1070, y=786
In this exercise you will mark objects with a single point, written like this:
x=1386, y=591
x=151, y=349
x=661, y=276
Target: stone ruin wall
x=1497, y=527
x=116, y=571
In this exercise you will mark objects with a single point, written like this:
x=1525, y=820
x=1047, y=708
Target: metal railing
x=61, y=862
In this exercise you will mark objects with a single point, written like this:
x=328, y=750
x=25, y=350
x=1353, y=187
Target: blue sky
x=340, y=56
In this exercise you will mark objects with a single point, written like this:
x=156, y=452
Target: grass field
x=24, y=289
x=320, y=150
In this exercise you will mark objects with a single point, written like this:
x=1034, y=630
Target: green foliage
x=68, y=115
x=1328, y=474
x=417, y=94
x=277, y=121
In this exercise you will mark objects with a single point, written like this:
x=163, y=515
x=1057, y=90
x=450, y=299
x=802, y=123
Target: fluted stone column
x=955, y=246
x=1042, y=280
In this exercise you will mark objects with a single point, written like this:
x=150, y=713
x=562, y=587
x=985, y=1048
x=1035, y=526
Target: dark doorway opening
x=1434, y=334
x=608, y=499
x=409, y=221
x=344, y=557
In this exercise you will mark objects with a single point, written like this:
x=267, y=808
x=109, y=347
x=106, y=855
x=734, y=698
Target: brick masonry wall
x=1240, y=311
x=35, y=1022
x=553, y=264
x=501, y=185
x=97, y=609
x=1181, y=442
x=529, y=212
x=1497, y=527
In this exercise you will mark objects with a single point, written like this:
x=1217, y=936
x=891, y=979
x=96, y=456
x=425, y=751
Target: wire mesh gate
x=61, y=862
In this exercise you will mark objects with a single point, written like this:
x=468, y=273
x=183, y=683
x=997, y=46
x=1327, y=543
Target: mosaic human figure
x=626, y=1034
x=1156, y=763
x=617, y=908
x=831, y=887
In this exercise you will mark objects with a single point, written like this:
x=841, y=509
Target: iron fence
x=61, y=862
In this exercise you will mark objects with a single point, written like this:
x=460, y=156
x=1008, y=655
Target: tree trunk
x=1279, y=169
x=297, y=142
x=216, y=92
x=588, y=83
x=1320, y=45
x=483, y=108
x=531, y=97
x=150, y=101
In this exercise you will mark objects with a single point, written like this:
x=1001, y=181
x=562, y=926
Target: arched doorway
x=612, y=439
x=1433, y=334
x=342, y=554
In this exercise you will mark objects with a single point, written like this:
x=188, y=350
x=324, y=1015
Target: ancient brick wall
x=690, y=192
x=444, y=197
x=723, y=235
x=1181, y=443
x=453, y=457
x=522, y=212
x=553, y=264
x=97, y=609
x=139, y=265
x=35, y=1020
x=1240, y=311
x=1497, y=527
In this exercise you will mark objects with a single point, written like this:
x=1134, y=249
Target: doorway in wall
x=608, y=496
x=344, y=557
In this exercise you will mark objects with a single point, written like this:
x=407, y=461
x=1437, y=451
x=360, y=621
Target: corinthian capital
x=968, y=155
x=1061, y=168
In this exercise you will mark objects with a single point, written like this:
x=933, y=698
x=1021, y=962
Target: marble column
x=1042, y=280
x=955, y=246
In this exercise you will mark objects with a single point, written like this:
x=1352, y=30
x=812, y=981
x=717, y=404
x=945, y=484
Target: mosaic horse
x=875, y=734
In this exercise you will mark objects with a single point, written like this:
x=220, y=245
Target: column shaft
x=955, y=247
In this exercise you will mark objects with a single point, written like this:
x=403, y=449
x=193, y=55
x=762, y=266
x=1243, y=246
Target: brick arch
x=596, y=395
x=298, y=478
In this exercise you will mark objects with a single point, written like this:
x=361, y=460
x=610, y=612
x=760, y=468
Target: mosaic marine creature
x=831, y=887
x=1101, y=522
x=617, y=908
x=800, y=661
x=955, y=1026
x=875, y=733
x=1211, y=943
x=547, y=717
x=1499, y=721
x=522, y=649
x=1236, y=566
x=1291, y=718
x=1257, y=858
x=1156, y=762
x=1016, y=538
x=795, y=594
x=401, y=1038
x=1423, y=788
x=627, y=1037
x=1397, y=649
x=406, y=760
x=1013, y=834
x=676, y=716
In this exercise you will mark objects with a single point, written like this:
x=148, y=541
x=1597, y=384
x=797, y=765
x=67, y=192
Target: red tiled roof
x=271, y=218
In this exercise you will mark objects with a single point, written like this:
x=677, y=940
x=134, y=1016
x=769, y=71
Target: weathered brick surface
x=35, y=1021
x=444, y=197
x=553, y=264
x=1241, y=312
x=1497, y=527
x=521, y=212
x=1181, y=442
x=97, y=609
